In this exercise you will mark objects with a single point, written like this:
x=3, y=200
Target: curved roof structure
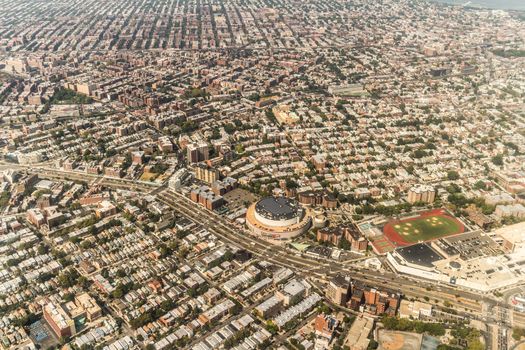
x=278, y=208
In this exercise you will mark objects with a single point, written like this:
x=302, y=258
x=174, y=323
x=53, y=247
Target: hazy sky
x=502, y=4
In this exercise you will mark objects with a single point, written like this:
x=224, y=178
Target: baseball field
x=424, y=227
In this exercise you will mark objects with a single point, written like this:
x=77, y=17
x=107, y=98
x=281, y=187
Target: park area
x=424, y=227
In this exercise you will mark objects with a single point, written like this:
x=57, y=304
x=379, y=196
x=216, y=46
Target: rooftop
x=277, y=208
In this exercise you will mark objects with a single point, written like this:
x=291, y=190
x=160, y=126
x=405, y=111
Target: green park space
x=426, y=228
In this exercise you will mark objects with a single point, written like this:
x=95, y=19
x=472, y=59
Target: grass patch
x=427, y=228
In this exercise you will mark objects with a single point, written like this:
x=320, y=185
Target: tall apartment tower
x=206, y=174
x=198, y=152
x=338, y=289
x=421, y=193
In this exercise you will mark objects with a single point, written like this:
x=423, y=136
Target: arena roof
x=277, y=208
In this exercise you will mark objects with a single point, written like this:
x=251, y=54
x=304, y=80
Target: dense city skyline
x=261, y=174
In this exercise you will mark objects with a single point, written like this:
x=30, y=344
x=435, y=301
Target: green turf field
x=426, y=228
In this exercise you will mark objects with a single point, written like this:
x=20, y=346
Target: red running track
x=398, y=241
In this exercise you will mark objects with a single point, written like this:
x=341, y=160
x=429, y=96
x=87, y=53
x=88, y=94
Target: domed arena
x=278, y=218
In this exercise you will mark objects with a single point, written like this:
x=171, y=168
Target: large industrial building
x=513, y=238
x=472, y=260
x=278, y=218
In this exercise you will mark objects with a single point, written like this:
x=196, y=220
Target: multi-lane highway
x=227, y=231
x=320, y=268
x=465, y=302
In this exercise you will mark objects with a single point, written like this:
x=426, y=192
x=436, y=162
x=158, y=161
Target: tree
x=237, y=308
x=290, y=184
x=84, y=282
x=452, y=175
x=419, y=153
x=344, y=244
x=183, y=252
x=86, y=244
x=4, y=199
x=140, y=321
x=182, y=233
x=497, y=160
x=215, y=134
x=393, y=323
x=323, y=308
x=194, y=93
x=272, y=327
x=518, y=333
x=373, y=345
x=13, y=262
x=21, y=321
x=121, y=290
x=453, y=188
x=229, y=128
x=239, y=148
x=68, y=96
x=74, y=239
x=68, y=297
x=42, y=249
x=69, y=278
x=480, y=185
